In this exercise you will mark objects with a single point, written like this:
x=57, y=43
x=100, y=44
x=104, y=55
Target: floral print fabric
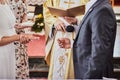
x=22, y=68
x=20, y=8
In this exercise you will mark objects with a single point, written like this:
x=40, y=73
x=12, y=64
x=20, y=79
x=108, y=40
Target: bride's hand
x=20, y=26
x=25, y=38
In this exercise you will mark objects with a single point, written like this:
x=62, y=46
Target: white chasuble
x=61, y=64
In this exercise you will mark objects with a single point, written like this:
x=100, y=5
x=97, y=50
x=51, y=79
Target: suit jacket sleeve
x=103, y=31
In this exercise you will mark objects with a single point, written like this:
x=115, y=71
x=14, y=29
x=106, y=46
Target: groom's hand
x=64, y=43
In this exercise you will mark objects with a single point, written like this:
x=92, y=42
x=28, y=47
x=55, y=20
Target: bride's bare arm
x=22, y=38
x=8, y=39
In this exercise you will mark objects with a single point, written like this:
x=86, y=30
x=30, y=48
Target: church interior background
x=38, y=66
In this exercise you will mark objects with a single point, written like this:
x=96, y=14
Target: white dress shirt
x=89, y=5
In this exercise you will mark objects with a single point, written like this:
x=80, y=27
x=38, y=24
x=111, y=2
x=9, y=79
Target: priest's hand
x=71, y=20
x=64, y=43
x=59, y=26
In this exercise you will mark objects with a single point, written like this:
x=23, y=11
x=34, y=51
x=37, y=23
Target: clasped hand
x=25, y=38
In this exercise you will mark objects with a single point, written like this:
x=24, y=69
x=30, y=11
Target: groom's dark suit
x=94, y=43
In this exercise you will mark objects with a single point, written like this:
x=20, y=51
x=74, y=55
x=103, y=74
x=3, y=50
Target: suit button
x=75, y=45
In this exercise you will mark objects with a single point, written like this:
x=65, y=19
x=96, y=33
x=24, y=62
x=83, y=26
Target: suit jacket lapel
x=84, y=18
